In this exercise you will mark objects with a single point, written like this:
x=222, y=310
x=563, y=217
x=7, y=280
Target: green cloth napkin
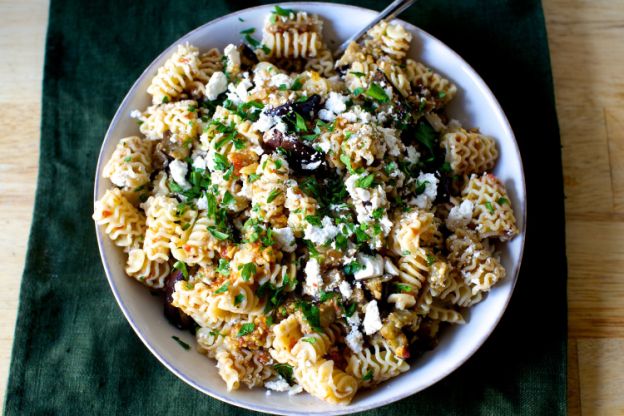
x=74, y=352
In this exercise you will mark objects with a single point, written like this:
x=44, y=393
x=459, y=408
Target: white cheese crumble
x=238, y=93
x=279, y=384
x=202, y=203
x=314, y=281
x=199, y=162
x=372, y=321
x=425, y=199
x=355, y=340
x=372, y=266
x=285, y=239
x=135, y=114
x=345, y=289
x=336, y=103
x=216, y=85
x=460, y=215
x=393, y=143
x=326, y=115
x=278, y=80
x=311, y=165
x=320, y=235
x=413, y=156
x=265, y=122
x=233, y=57
x=178, y=170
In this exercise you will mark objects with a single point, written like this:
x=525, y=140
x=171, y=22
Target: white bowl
x=474, y=106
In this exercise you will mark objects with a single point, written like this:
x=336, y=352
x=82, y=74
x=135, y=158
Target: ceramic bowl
x=475, y=105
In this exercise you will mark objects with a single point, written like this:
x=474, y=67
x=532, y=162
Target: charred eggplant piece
x=401, y=110
x=166, y=149
x=247, y=56
x=307, y=109
x=174, y=315
x=301, y=157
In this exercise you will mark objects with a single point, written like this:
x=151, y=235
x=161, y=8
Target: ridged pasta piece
x=323, y=380
x=200, y=303
x=240, y=298
x=312, y=347
x=468, y=152
x=164, y=225
x=285, y=337
x=250, y=367
x=196, y=244
x=459, y=293
x=130, y=164
x=227, y=371
x=374, y=365
x=122, y=222
x=209, y=63
x=431, y=86
x=294, y=36
x=150, y=273
x=176, y=122
x=176, y=75
x=322, y=63
x=446, y=315
x=160, y=186
x=268, y=192
x=492, y=215
x=414, y=229
x=474, y=261
x=386, y=39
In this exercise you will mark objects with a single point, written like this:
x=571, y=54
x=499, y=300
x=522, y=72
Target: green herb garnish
x=273, y=194
x=181, y=343
x=246, y=329
x=181, y=266
x=247, y=271
x=377, y=93
x=223, y=288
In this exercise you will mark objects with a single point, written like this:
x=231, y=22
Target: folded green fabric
x=74, y=353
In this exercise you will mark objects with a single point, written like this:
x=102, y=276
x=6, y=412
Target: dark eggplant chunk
x=301, y=157
x=174, y=315
x=166, y=149
x=401, y=110
x=306, y=109
x=247, y=56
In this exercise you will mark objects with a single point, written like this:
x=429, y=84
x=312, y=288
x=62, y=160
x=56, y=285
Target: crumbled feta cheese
x=233, y=57
x=296, y=389
x=320, y=235
x=349, y=116
x=311, y=165
x=326, y=115
x=238, y=93
x=217, y=84
x=285, y=239
x=278, y=80
x=345, y=289
x=178, y=170
x=355, y=340
x=199, y=163
x=135, y=114
x=413, y=156
x=425, y=199
x=460, y=215
x=372, y=321
x=279, y=384
x=372, y=266
x=336, y=103
x=314, y=281
x=202, y=203
x=393, y=143
x=265, y=122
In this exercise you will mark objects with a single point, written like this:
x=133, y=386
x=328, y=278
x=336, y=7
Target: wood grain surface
x=587, y=51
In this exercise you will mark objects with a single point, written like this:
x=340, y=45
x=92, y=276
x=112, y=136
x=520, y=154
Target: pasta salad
x=315, y=223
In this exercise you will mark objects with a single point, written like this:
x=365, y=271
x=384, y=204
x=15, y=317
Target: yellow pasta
x=122, y=222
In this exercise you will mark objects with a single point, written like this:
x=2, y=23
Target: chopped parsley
x=296, y=85
x=377, y=93
x=228, y=198
x=368, y=376
x=366, y=181
x=430, y=259
x=353, y=267
x=502, y=201
x=181, y=343
x=421, y=187
x=128, y=159
x=300, y=125
x=219, y=235
x=426, y=135
x=248, y=31
x=223, y=288
x=313, y=220
x=489, y=207
x=284, y=370
x=403, y=287
x=238, y=299
x=309, y=340
x=246, y=329
x=273, y=194
x=247, y=271
x=165, y=100
x=358, y=91
x=311, y=313
x=357, y=74
x=221, y=162
x=181, y=266
x=223, y=267
x=283, y=12
x=378, y=213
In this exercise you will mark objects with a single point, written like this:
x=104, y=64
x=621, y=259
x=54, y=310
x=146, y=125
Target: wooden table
x=587, y=51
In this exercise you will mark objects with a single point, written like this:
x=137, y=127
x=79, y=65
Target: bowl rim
x=488, y=94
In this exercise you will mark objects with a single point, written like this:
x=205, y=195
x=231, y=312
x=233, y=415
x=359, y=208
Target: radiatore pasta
x=315, y=223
